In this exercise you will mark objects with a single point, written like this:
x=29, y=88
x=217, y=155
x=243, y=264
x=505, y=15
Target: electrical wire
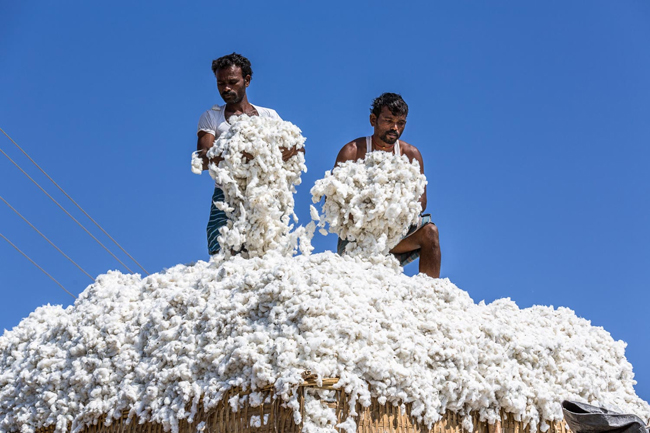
x=67, y=213
x=45, y=237
x=74, y=202
x=35, y=264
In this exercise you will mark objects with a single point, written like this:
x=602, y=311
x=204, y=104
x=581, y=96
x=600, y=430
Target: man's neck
x=241, y=107
x=379, y=144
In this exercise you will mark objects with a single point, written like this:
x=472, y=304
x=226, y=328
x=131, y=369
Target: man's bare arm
x=203, y=144
x=347, y=153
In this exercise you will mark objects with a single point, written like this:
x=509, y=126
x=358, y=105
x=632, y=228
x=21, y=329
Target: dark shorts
x=404, y=258
x=217, y=220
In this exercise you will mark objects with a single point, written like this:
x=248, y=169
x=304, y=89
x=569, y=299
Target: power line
x=45, y=237
x=67, y=213
x=74, y=202
x=35, y=264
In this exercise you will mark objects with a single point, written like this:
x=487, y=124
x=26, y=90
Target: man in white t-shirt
x=233, y=73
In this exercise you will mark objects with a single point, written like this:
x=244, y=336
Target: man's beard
x=231, y=97
x=389, y=139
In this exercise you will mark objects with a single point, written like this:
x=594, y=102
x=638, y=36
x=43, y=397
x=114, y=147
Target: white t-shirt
x=214, y=121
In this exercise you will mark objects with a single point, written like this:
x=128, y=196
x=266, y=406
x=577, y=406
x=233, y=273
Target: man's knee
x=430, y=234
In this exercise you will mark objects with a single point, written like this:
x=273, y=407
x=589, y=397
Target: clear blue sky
x=533, y=119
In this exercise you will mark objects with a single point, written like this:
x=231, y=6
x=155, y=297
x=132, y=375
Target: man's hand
x=288, y=153
x=291, y=152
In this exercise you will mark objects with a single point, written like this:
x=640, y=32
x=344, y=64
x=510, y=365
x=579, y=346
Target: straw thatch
x=373, y=419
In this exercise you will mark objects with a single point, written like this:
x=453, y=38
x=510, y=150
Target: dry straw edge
x=376, y=418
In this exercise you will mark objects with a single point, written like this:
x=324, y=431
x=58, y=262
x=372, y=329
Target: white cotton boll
x=255, y=421
x=304, y=237
x=319, y=417
x=223, y=206
x=468, y=425
x=197, y=163
x=258, y=191
x=314, y=213
x=371, y=203
x=348, y=426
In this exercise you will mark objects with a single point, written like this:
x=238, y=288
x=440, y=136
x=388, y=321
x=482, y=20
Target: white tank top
x=396, y=148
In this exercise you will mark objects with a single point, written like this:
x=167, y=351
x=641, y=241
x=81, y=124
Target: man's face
x=388, y=126
x=232, y=84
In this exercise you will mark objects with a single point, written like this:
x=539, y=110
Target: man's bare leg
x=426, y=240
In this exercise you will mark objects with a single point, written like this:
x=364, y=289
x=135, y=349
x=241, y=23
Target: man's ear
x=373, y=120
x=247, y=80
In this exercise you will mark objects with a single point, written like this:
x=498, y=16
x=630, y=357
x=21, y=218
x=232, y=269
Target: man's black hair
x=393, y=102
x=233, y=59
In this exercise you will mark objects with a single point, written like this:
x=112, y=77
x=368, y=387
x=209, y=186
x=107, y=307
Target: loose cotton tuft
x=258, y=188
x=372, y=202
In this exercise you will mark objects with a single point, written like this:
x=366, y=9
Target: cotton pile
x=371, y=203
x=257, y=184
x=159, y=346
x=155, y=345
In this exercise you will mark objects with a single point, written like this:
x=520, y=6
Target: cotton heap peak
x=160, y=346
x=372, y=202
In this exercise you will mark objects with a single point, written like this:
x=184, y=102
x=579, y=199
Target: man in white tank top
x=388, y=118
x=233, y=73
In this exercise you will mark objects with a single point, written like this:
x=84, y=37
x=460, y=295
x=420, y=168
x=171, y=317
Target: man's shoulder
x=212, y=112
x=350, y=151
x=209, y=120
x=408, y=149
x=354, y=145
x=266, y=112
x=411, y=152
